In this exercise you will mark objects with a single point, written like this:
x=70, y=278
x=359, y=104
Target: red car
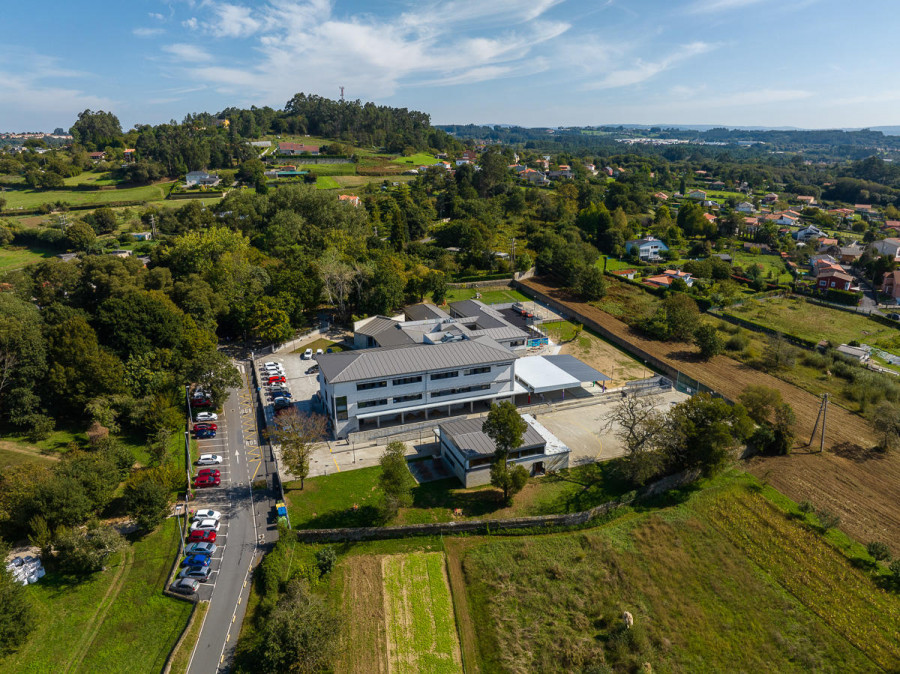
x=206, y=427
x=277, y=379
x=207, y=481
x=202, y=536
x=208, y=471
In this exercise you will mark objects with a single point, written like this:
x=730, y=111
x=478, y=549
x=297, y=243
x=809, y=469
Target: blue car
x=196, y=560
x=204, y=435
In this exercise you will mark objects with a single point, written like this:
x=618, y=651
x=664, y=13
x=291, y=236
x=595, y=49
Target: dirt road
x=861, y=486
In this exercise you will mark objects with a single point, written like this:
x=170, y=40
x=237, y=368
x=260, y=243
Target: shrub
x=737, y=342
x=40, y=427
x=806, y=507
x=878, y=551
x=326, y=558
x=827, y=519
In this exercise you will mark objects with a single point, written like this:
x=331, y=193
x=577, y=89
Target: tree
x=638, y=426
x=80, y=235
x=784, y=427
x=301, y=634
x=878, y=551
x=269, y=323
x=707, y=339
x=760, y=402
x=591, y=285
x=146, y=498
x=886, y=423
x=395, y=479
x=677, y=319
x=297, y=433
x=104, y=220
x=17, y=618
x=506, y=427
x=96, y=129
x=83, y=552
x=437, y=284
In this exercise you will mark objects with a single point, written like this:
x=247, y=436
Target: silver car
x=186, y=585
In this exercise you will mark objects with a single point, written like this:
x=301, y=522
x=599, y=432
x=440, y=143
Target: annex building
x=436, y=365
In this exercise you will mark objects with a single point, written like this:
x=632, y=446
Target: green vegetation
x=418, y=159
x=810, y=611
x=559, y=331
x=489, y=296
x=320, y=343
x=421, y=629
x=774, y=269
x=326, y=183
x=14, y=257
x=27, y=199
x=182, y=657
x=112, y=619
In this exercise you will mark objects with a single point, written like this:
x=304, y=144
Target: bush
x=878, y=551
x=83, y=552
x=40, y=427
x=326, y=558
x=737, y=342
x=827, y=519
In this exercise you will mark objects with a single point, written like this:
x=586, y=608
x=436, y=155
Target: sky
x=802, y=63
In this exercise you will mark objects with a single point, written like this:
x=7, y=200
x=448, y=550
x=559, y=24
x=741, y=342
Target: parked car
x=205, y=524
x=277, y=379
x=896, y=317
x=186, y=585
x=204, y=435
x=200, y=573
x=196, y=560
x=281, y=393
x=209, y=459
x=207, y=416
x=207, y=481
x=313, y=369
x=329, y=350
x=206, y=427
x=319, y=352
x=207, y=514
x=201, y=402
x=208, y=471
x=307, y=354
x=281, y=403
x=202, y=536
x=271, y=362
x=203, y=548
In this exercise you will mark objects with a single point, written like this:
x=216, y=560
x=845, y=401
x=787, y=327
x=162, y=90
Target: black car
x=313, y=369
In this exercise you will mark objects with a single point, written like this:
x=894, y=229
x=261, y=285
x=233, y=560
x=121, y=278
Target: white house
x=201, y=178
x=648, y=249
x=889, y=247
x=745, y=207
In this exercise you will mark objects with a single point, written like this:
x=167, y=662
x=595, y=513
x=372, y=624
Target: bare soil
x=365, y=646
x=858, y=484
x=603, y=356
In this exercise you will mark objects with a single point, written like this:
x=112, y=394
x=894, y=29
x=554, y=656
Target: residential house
x=561, y=174
x=830, y=279
x=662, y=196
x=697, y=194
x=97, y=156
x=889, y=247
x=469, y=452
x=770, y=198
x=649, y=249
x=625, y=273
x=811, y=232
x=807, y=201
x=744, y=207
x=890, y=284
x=856, y=352
x=717, y=185
x=201, y=178
x=350, y=199
x=534, y=177
x=864, y=209
x=893, y=225
x=292, y=149
x=788, y=220
x=665, y=279
x=142, y=236
x=826, y=242
x=469, y=155
x=850, y=254
x=128, y=153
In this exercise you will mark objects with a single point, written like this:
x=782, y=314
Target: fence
x=536, y=522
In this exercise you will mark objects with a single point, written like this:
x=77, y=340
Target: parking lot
x=302, y=384
x=215, y=498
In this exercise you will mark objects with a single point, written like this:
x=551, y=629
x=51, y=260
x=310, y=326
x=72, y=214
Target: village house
x=201, y=178
x=811, y=232
x=662, y=196
x=744, y=207
x=852, y=253
x=665, y=279
x=649, y=249
x=890, y=284
x=350, y=199
x=838, y=280
x=770, y=198
x=292, y=149
x=889, y=247
x=700, y=195
x=807, y=201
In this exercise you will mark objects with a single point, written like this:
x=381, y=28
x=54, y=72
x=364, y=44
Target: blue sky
x=807, y=63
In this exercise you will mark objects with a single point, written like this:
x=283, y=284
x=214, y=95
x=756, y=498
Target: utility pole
x=823, y=410
x=153, y=226
x=513, y=252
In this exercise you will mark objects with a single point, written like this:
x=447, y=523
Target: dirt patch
x=36, y=452
x=455, y=549
x=365, y=646
x=603, y=356
x=864, y=493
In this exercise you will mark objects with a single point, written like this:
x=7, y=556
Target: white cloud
x=702, y=6
x=188, y=52
x=147, y=32
x=642, y=70
x=303, y=46
x=157, y=16
x=191, y=24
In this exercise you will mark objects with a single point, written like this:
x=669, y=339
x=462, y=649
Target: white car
x=200, y=549
x=209, y=460
x=319, y=352
x=207, y=416
x=207, y=514
x=205, y=525
x=272, y=363
x=307, y=354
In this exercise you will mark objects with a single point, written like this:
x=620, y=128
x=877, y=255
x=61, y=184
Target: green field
x=501, y=296
x=13, y=257
x=91, y=178
x=329, y=169
x=559, y=331
x=117, y=620
x=626, y=302
x=420, y=159
x=769, y=263
x=421, y=628
x=816, y=322
x=722, y=580
x=27, y=199
x=326, y=183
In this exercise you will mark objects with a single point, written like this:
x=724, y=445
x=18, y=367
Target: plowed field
x=861, y=486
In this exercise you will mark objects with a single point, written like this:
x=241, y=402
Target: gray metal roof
x=466, y=307
x=467, y=435
x=376, y=325
x=392, y=336
x=388, y=362
x=422, y=312
x=575, y=368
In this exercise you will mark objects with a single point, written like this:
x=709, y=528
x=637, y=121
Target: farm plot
x=421, y=628
x=863, y=488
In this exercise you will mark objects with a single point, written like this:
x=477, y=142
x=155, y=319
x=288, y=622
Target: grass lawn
x=13, y=257
x=420, y=159
x=57, y=443
x=183, y=654
x=90, y=178
x=421, y=628
x=721, y=579
x=326, y=183
x=612, y=264
x=117, y=620
x=502, y=296
x=15, y=454
x=329, y=169
x=770, y=264
x=559, y=331
x=328, y=501
x=320, y=343
x=627, y=302
x=34, y=198
x=816, y=322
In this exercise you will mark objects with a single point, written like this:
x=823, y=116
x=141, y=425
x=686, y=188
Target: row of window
x=369, y=385
x=462, y=389
x=377, y=402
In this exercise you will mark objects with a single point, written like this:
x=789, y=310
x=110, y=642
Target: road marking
x=333, y=458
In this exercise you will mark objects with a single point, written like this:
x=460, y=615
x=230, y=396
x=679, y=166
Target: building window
x=462, y=389
x=477, y=370
x=445, y=375
x=407, y=380
x=340, y=408
x=409, y=398
x=369, y=385
x=363, y=404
